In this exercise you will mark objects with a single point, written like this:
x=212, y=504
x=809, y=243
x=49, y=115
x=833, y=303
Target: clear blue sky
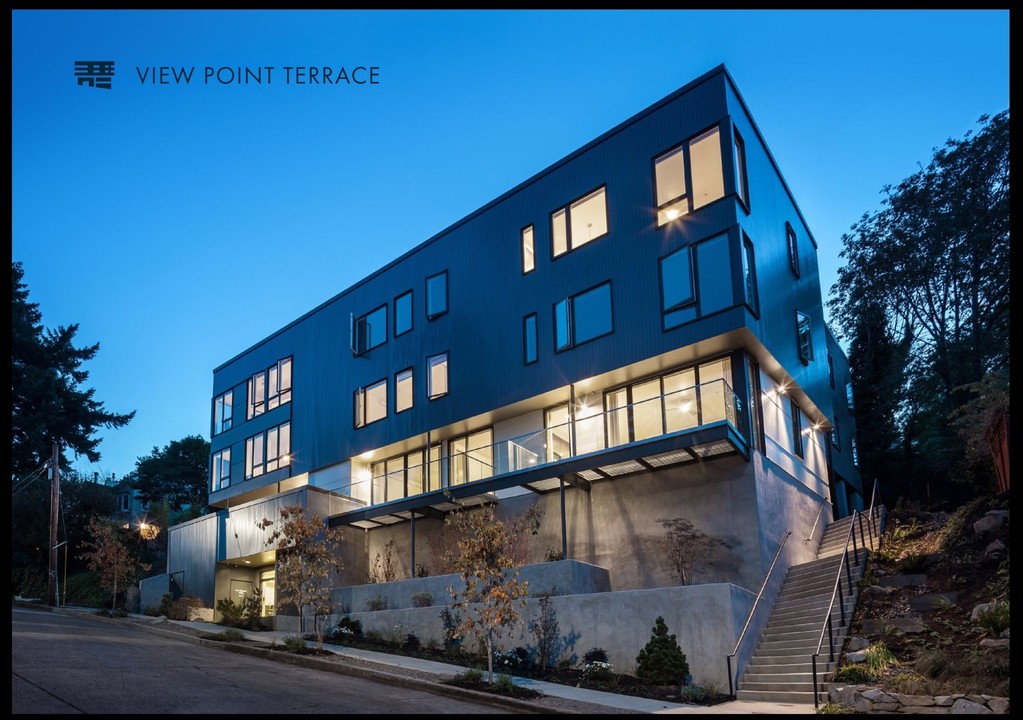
x=180, y=224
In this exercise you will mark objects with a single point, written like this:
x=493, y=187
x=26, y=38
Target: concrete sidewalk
x=610, y=700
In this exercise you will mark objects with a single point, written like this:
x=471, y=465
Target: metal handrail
x=820, y=511
x=827, y=628
x=749, y=618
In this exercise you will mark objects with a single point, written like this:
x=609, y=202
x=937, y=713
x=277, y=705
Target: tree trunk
x=490, y=658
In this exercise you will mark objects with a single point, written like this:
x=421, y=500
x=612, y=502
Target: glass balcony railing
x=592, y=430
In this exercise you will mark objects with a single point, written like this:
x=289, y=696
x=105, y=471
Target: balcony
x=597, y=444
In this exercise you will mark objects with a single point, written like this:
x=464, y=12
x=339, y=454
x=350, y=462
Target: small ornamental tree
x=662, y=661
x=307, y=552
x=686, y=548
x=110, y=556
x=487, y=555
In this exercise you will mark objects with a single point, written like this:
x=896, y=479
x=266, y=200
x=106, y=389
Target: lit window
x=708, y=178
x=741, y=181
x=803, y=334
x=853, y=450
x=670, y=182
x=403, y=313
x=436, y=295
x=583, y=317
x=835, y=437
x=793, y=243
x=437, y=374
x=403, y=390
x=222, y=412
x=579, y=223
x=371, y=403
x=529, y=337
x=528, y=250
x=221, y=470
x=849, y=395
x=369, y=331
x=268, y=451
x=269, y=388
x=749, y=275
x=471, y=457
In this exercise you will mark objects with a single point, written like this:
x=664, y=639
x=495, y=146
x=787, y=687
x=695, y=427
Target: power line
x=24, y=482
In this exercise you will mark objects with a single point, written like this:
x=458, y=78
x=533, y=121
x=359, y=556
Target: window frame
x=571, y=300
x=411, y=313
x=218, y=483
x=804, y=341
x=281, y=459
x=570, y=246
x=741, y=169
x=792, y=242
x=526, y=338
x=797, y=429
x=749, y=266
x=360, y=406
x=531, y=255
x=226, y=418
x=410, y=371
x=282, y=396
x=682, y=149
x=435, y=315
x=430, y=395
x=356, y=339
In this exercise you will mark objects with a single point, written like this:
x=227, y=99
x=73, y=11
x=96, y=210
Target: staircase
x=781, y=669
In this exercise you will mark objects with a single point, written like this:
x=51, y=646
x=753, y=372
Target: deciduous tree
x=108, y=552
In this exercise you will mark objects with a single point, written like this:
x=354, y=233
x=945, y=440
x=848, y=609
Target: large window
x=268, y=451
x=741, y=181
x=793, y=245
x=749, y=275
x=269, y=388
x=436, y=295
x=403, y=396
x=673, y=197
x=471, y=457
x=583, y=317
x=369, y=331
x=222, y=412
x=579, y=223
x=403, y=313
x=528, y=250
x=677, y=294
x=804, y=338
x=220, y=472
x=437, y=376
x=529, y=338
x=371, y=403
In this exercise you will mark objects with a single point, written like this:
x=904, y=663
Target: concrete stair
x=781, y=669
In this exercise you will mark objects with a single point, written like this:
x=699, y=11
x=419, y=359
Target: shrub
x=472, y=675
x=854, y=674
x=913, y=563
x=697, y=694
x=422, y=571
x=995, y=617
x=422, y=599
x=384, y=569
x=294, y=644
x=412, y=642
x=545, y=631
x=508, y=660
x=179, y=608
x=377, y=603
x=452, y=638
x=230, y=612
x=595, y=655
x=84, y=590
x=879, y=658
x=399, y=635
x=598, y=671
x=553, y=554
x=351, y=625
x=230, y=635
x=661, y=661
x=504, y=683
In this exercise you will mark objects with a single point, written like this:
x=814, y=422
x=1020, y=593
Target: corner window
x=222, y=412
x=369, y=331
x=803, y=334
x=579, y=223
x=436, y=295
x=437, y=376
x=677, y=287
x=583, y=317
x=269, y=388
x=220, y=476
x=268, y=451
x=403, y=391
x=528, y=251
x=749, y=275
x=403, y=313
x=701, y=155
x=670, y=186
x=741, y=186
x=793, y=243
x=797, y=428
x=529, y=338
x=371, y=403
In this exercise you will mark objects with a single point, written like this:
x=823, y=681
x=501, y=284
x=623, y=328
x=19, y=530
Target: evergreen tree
x=178, y=473
x=48, y=403
x=662, y=661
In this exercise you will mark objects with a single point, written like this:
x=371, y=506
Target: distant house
x=635, y=333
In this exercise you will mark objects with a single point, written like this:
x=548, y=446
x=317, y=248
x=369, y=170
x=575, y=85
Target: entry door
x=266, y=586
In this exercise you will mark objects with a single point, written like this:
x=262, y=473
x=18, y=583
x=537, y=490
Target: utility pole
x=54, y=506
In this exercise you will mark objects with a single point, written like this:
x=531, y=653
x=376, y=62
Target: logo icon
x=94, y=73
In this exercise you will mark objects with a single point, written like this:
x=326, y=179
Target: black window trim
x=412, y=313
x=525, y=338
x=570, y=317
x=355, y=404
x=567, y=207
x=426, y=304
x=409, y=369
